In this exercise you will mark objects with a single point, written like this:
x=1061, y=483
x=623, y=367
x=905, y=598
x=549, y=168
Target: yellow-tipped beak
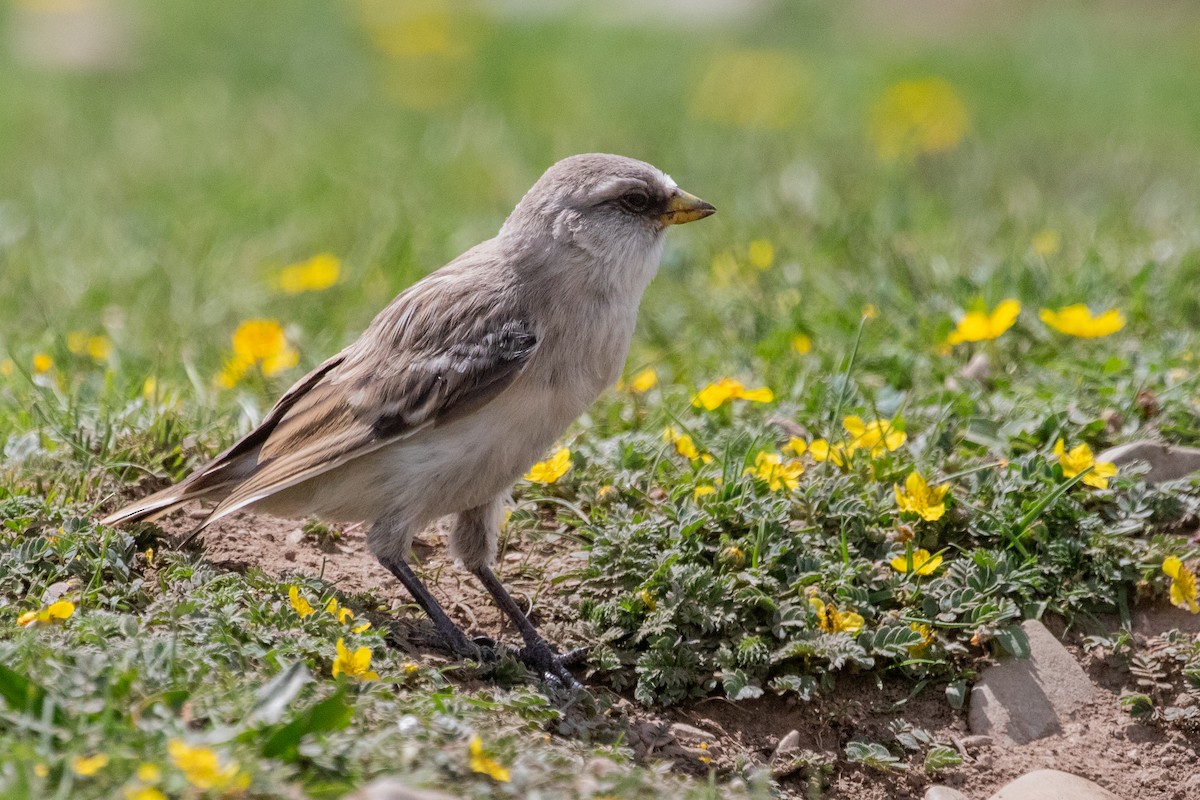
x=684, y=207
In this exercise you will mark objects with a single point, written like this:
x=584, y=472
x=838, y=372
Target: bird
x=459, y=385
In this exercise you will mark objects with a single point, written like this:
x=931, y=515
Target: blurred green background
x=161, y=161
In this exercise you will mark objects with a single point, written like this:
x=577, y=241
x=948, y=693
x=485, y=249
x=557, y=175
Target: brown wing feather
x=432, y=356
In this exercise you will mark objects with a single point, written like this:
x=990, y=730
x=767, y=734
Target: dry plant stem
x=455, y=638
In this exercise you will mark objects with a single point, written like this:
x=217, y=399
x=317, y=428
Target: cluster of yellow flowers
x=304, y=609
x=200, y=766
x=97, y=346
x=1074, y=320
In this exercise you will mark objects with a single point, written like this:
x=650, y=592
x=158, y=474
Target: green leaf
x=891, y=641
x=941, y=757
x=871, y=754
x=331, y=714
x=274, y=698
x=956, y=693
x=24, y=695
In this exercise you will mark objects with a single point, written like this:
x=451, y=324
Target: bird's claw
x=552, y=667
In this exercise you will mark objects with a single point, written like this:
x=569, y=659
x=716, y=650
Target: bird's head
x=613, y=208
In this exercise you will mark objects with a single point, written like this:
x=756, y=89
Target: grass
x=152, y=205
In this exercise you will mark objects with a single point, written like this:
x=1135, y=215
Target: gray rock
x=396, y=789
x=943, y=793
x=973, y=743
x=1050, y=784
x=1020, y=700
x=787, y=745
x=1167, y=463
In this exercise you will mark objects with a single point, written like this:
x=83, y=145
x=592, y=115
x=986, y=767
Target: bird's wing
x=431, y=357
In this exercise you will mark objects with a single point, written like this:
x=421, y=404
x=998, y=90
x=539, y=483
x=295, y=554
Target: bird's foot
x=553, y=667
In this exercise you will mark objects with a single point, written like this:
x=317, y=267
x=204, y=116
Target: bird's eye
x=636, y=201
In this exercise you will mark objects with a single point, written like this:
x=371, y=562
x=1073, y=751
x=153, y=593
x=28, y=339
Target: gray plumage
x=466, y=378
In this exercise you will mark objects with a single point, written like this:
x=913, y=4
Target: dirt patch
x=1102, y=743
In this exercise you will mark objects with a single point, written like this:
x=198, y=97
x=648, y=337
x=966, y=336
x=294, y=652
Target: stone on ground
x=395, y=789
x=1051, y=784
x=1021, y=700
x=944, y=793
x=1167, y=463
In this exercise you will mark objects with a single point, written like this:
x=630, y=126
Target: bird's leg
x=455, y=638
x=537, y=652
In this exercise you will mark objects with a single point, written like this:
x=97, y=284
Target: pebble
x=787, y=745
x=943, y=793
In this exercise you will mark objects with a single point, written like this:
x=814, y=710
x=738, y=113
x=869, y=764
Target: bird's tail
x=156, y=505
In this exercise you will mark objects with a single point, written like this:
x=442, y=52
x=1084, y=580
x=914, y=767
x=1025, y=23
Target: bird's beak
x=684, y=207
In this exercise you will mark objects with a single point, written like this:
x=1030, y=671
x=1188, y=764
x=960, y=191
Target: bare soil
x=1102, y=743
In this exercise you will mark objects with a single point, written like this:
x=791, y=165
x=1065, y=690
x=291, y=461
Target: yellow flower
x=926, y=638
x=314, y=275
x=715, y=395
x=1079, y=458
x=703, y=490
x=980, y=326
x=822, y=450
x=763, y=89
x=777, y=473
x=917, y=117
x=922, y=563
x=149, y=556
x=877, y=436
x=685, y=446
x=41, y=770
x=1183, y=584
x=341, y=612
x=202, y=767
x=643, y=381
x=550, y=470
x=647, y=600
x=258, y=343
x=149, y=388
x=761, y=254
x=42, y=363
x=55, y=612
x=1078, y=321
x=143, y=793
x=801, y=344
x=361, y=627
x=795, y=446
x=302, y=607
x=870, y=311
x=7, y=367
x=89, y=765
x=1046, y=243
x=485, y=765
x=918, y=497
x=830, y=620
x=149, y=773
x=357, y=664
